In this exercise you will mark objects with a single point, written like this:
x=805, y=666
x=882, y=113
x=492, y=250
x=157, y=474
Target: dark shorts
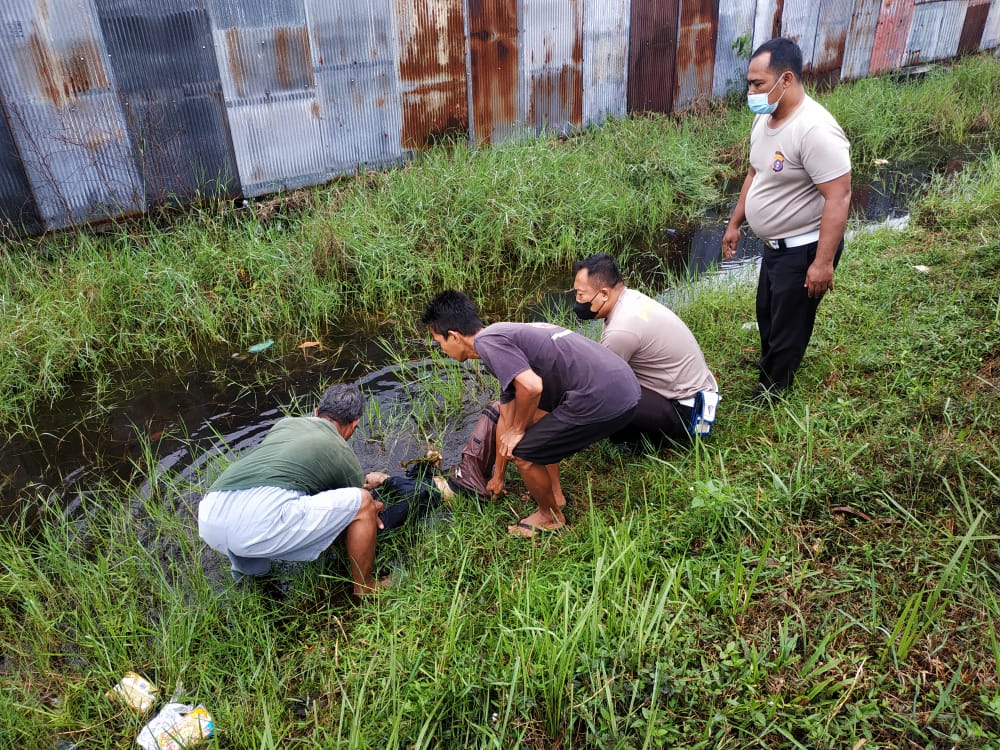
x=551, y=439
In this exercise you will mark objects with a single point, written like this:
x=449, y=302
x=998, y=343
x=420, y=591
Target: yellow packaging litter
x=134, y=690
x=177, y=726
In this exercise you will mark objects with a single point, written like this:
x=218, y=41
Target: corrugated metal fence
x=114, y=106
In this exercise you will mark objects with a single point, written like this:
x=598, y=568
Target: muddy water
x=180, y=422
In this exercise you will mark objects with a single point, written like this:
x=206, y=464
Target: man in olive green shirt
x=295, y=493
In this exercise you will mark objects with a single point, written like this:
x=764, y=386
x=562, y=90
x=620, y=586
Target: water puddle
x=180, y=423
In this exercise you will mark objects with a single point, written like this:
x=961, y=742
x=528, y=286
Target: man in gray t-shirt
x=560, y=392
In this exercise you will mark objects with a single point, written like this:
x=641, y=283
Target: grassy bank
x=90, y=304
x=821, y=574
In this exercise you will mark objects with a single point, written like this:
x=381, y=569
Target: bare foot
x=378, y=586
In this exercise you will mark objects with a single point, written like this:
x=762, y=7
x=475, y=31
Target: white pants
x=255, y=526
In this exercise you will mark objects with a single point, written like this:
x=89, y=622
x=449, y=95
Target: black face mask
x=583, y=311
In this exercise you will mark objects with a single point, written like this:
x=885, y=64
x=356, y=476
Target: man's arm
x=731, y=239
x=837, y=204
x=527, y=394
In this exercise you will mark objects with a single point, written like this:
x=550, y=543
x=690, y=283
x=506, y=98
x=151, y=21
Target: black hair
x=452, y=311
x=785, y=56
x=343, y=403
x=602, y=269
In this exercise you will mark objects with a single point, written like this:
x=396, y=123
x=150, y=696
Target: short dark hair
x=785, y=55
x=601, y=268
x=343, y=403
x=452, y=311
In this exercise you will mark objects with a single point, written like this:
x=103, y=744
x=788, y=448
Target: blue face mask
x=759, y=104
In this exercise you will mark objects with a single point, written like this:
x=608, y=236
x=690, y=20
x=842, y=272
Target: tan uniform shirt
x=807, y=149
x=658, y=346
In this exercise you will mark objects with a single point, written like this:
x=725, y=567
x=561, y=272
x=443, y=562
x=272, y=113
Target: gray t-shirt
x=808, y=149
x=582, y=381
x=659, y=348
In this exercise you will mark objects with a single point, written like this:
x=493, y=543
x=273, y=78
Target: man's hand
x=495, y=486
x=730, y=242
x=508, y=442
x=374, y=479
x=819, y=279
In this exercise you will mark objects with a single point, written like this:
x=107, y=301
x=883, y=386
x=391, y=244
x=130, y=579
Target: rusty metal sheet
x=356, y=69
x=767, y=21
x=64, y=113
x=799, y=22
x=652, y=55
x=890, y=35
x=493, y=69
x=18, y=210
x=991, y=34
x=733, y=47
x=265, y=63
x=696, y=39
x=432, y=72
x=934, y=31
x=605, y=54
x=860, y=39
x=168, y=81
x=832, y=28
x=973, y=27
x=552, y=49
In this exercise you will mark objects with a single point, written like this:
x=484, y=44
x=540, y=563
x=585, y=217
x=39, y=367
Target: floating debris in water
x=261, y=347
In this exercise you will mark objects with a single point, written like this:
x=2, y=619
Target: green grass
x=822, y=573
x=85, y=306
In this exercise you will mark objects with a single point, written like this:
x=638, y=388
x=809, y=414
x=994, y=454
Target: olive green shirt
x=298, y=453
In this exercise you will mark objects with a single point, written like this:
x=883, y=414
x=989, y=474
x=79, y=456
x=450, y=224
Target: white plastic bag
x=177, y=726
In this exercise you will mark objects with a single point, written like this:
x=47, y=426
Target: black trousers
x=785, y=312
x=656, y=419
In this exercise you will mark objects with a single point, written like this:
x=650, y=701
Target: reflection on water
x=188, y=420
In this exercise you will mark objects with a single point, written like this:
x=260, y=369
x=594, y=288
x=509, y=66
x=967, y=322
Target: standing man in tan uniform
x=677, y=388
x=796, y=198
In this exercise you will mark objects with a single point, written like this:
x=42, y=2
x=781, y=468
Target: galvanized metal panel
x=767, y=21
x=973, y=26
x=799, y=21
x=732, y=47
x=18, y=210
x=860, y=39
x=890, y=35
x=552, y=49
x=432, y=71
x=168, y=79
x=991, y=34
x=696, y=39
x=356, y=57
x=652, y=55
x=493, y=69
x=265, y=61
x=605, y=58
x=934, y=31
x=64, y=113
x=832, y=28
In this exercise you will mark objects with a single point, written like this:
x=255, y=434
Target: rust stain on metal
x=314, y=109
x=493, y=58
x=696, y=49
x=432, y=70
x=890, y=35
x=652, y=55
x=779, y=11
x=235, y=61
x=292, y=57
x=973, y=27
x=66, y=77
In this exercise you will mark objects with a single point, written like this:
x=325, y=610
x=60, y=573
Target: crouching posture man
x=295, y=493
x=560, y=392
